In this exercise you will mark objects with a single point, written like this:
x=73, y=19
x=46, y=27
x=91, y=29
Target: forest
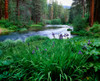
x=45, y=40
x=20, y=15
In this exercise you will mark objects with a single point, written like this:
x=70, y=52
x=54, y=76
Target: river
x=56, y=29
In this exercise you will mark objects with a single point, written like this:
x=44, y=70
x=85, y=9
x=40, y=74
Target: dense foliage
x=96, y=30
x=72, y=59
x=43, y=59
x=83, y=16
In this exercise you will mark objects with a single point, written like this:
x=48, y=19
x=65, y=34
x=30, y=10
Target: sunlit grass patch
x=5, y=31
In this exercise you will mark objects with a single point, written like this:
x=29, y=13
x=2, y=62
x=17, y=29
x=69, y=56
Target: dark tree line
x=35, y=10
x=82, y=7
x=22, y=9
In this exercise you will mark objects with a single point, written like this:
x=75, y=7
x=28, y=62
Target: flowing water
x=49, y=29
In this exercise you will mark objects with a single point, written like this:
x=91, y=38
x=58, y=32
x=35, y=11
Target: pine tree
x=17, y=8
x=92, y=13
x=97, y=11
x=36, y=10
x=83, y=4
x=6, y=9
x=0, y=10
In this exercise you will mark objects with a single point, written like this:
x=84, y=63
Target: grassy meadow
x=44, y=59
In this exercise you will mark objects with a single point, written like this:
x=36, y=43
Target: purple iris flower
x=33, y=51
x=79, y=52
x=60, y=36
x=53, y=34
x=67, y=35
x=45, y=49
x=37, y=48
x=88, y=40
x=84, y=47
x=89, y=43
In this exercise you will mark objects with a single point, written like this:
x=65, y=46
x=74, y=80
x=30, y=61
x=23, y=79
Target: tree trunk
x=83, y=4
x=97, y=11
x=92, y=13
x=17, y=8
x=0, y=10
x=36, y=20
x=6, y=9
x=51, y=16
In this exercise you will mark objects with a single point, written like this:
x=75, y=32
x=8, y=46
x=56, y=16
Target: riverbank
x=46, y=31
x=5, y=31
x=7, y=27
x=43, y=59
x=34, y=27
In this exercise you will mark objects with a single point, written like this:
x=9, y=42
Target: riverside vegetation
x=44, y=59
x=7, y=27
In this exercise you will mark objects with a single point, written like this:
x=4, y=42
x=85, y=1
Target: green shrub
x=56, y=21
x=36, y=25
x=7, y=24
x=42, y=24
x=35, y=38
x=8, y=43
x=47, y=21
x=97, y=35
x=82, y=33
x=69, y=29
x=0, y=52
x=18, y=42
x=13, y=27
x=79, y=23
x=95, y=28
x=23, y=29
x=3, y=21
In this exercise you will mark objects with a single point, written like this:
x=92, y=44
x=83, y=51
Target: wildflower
x=53, y=34
x=80, y=52
x=33, y=51
x=84, y=47
x=45, y=49
x=60, y=36
x=37, y=48
x=67, y=35
x=89, y=42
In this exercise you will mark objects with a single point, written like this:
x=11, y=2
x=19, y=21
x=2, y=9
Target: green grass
x=5, y=31
x=36, y=27
x=8, y=27
x=51, y=60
